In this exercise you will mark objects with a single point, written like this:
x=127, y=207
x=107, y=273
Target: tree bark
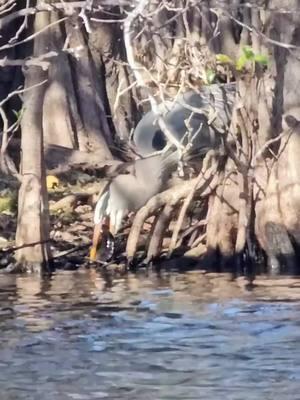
x=33, y=216
x=96, y=132
x=107, y=51
x=60, y=114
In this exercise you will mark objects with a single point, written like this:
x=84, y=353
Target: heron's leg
x=96, y=240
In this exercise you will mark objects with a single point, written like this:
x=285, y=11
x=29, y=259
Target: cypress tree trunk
x=33, y=215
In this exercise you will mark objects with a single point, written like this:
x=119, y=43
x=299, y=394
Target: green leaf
x=18, y=114
x=248, y=53
x=210, y=76
x=261, y=59
x=241, y=62
x=224, y=59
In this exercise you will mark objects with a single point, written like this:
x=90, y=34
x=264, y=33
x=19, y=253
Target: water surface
x=147, y=336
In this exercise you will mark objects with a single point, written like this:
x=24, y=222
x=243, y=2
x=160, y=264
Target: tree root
x=170, y=196
x=204, y=177
x=197, y=240
x=205, y=184
x=160, y=225
x=191, y=230
x=197, y=251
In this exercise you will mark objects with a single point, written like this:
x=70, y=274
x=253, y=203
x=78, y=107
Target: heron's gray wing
x=187, y=117
x=212, y=100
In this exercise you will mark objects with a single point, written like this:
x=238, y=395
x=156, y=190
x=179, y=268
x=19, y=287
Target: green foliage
x=241, y=63
x=8, y=203
x=18, y=114
x=209, y=77
x=261, y=59
x=248, y=53
x=224, y=59
x=247, y=58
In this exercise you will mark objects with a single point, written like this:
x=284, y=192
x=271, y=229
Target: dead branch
x=33, y=36
x=70, y=201
x=69, y=8
x=22, y=27
x=7, y=6
x=257, y=32
x=20, y=91
x=65, y=253
x=33, y=61
x=15, y=248
x=137, y=68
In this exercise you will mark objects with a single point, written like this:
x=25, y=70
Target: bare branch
x=21, y=91
x=34, y=61
x=34, y=35
x=253, y=29
x=68, y=8
x=23, y=25
x=128, y=29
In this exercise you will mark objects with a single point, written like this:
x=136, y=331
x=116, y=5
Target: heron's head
x=126, y=193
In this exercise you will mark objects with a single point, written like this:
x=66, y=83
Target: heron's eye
x=159, y=140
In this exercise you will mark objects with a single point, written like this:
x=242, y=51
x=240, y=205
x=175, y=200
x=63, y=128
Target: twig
x=69, y=8
x=137, y=72
x=67, y=252
x=33, y=36
x=265, y=147
x=35, y=61
x=21, y=91
x=13, y=249
x=22, y=26
x=6, y=163
x=252, y=29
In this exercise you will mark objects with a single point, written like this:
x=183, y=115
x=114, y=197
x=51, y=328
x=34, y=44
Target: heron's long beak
x=97, y=235
x=100, y=232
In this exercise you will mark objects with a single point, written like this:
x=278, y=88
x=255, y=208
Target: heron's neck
x=154, y=171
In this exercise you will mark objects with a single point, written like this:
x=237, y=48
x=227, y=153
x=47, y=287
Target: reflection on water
x=148, y=336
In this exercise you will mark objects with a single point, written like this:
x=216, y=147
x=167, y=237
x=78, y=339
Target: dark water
x=174, y=336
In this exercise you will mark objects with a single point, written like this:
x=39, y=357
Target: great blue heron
x=193, y=118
